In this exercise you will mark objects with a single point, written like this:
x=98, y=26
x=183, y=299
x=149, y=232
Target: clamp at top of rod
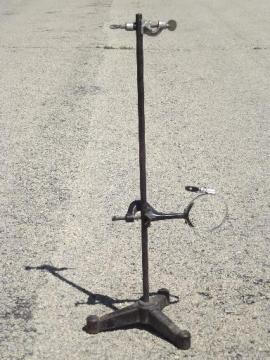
x=151, y=28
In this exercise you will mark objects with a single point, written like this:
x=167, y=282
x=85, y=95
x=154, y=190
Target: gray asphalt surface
x=69, y=162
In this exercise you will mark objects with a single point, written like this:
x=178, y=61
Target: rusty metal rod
x=142, y=155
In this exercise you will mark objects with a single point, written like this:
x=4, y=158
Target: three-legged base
x=142, y=313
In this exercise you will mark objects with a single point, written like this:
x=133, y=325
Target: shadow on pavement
x=93, y=299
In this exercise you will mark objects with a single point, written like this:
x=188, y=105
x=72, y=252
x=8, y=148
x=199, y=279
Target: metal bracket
x=150, y=214
x=151, y=28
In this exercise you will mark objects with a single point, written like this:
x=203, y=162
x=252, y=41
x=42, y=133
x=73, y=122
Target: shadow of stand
x=93, y=299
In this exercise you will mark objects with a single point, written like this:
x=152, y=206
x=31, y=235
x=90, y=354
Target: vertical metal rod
x=142, y=155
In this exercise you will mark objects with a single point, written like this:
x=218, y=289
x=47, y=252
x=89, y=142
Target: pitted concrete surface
x=69, y=161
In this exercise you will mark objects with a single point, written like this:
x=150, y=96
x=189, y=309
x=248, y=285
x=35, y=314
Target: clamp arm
x=151, y=28
x=150, y=213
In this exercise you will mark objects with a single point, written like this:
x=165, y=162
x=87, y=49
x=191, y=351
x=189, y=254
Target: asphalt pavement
x=69, y=162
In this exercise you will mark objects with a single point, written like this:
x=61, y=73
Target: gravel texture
x=69, y=161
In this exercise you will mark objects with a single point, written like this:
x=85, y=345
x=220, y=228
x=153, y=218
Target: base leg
x=113, y=321
x=166, y=327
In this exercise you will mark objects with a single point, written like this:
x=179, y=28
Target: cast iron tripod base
x=142, y=313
